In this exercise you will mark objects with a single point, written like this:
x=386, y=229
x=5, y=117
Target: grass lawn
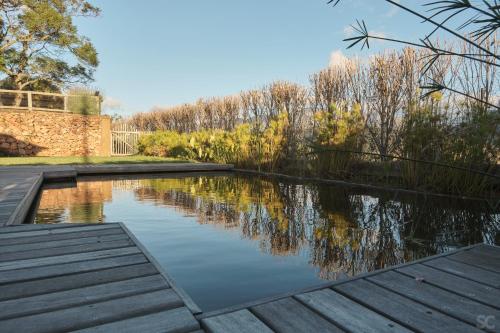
x=86, y=160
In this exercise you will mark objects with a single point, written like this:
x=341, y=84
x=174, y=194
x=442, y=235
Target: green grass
x=86, y=160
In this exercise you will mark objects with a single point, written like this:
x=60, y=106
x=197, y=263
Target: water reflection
x=341, y=231
x=71, y=203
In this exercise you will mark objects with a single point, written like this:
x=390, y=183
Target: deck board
x=31, y=273
x=347, y=313
x=17, y=191
x=170, y=321
x=466, y=271
x=447, y=302
x=73, y=297
x=66, y=284
x=78, y=280
x=402, y=309
x=68, y=258
x=65, y=250
x=60, y=243
x=443, y=293
x=52, y=237
x=477, y=291
x=289, y=315
x=242, y=321
x=477, y=260
x=85, y=316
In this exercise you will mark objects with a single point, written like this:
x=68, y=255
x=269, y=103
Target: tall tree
x=40, y=47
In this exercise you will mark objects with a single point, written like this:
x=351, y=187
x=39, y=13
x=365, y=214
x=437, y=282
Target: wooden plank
x=401, y=309
x=30, y=273
x=447, y=302
x=79, y=280
x=170, y=321
x=487, y=250
x=66, y=250
x=347, y=314
x=94, y=314
x=21, y=211
x=36, y=227
x=59, y=300
x=473, y=290
x=57, y=231
x=242, y=321
x=61, y=243
x=288, y=315
x=62, y=259
x=466, y=271
x=49, y=238
x=474, y=259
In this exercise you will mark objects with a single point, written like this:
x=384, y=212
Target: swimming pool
x=230, y=238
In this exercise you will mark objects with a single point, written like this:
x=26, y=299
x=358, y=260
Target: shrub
x=84, y=101
x=237, y=146
x=164, y=144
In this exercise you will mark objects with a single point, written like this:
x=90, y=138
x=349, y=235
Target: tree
x=40, y=47
x=478, y=31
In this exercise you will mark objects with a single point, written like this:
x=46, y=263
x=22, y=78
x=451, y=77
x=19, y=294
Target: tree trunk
x=19, y=96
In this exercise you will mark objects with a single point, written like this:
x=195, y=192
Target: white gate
x=124, y=139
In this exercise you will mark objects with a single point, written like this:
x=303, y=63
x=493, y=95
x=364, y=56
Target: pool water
x=228, y=239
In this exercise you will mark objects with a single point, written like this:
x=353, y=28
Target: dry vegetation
x=352, y=115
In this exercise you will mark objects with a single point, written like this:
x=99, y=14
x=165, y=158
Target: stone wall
x=25, y=133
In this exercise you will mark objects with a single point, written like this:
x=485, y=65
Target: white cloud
x=393, y=11
x=111, y=103
x=379, y=34
x=348, y=31
x=337, y=58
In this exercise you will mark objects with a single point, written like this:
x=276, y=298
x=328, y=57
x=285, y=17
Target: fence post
x=98, y=102
x=65, y=102
x=30, y=101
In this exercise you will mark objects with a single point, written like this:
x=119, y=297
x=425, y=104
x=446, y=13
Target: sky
x=158, y=53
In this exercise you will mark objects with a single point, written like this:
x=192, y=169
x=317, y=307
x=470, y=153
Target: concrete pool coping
x=20, y=185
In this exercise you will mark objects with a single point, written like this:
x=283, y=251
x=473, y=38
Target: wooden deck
x=455, y=292
x=99, y=278
x=90, y=278
x=17, y=192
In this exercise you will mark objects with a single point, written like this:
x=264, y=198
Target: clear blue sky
x=168, y=52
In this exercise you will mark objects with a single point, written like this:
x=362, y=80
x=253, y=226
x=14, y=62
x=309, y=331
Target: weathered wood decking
x=456, y=292
x=99, y=278
x=90, y=278
x=17, y=192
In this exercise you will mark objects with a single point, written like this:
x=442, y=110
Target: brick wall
x=24, y=133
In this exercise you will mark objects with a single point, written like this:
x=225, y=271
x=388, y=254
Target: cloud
x=348, y=31
x=375, y=33
x=394, y=10
x=111, y=103
x=337, y=58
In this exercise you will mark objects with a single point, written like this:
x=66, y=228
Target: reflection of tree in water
x=53, y=215
x=455, y=225
x=344, y=233
x=83, y=203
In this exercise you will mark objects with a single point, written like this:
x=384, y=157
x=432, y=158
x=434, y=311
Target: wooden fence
x=124, y=139
x=43, y=101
